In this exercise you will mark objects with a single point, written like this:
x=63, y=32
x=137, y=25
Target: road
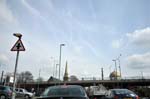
x=31, y=98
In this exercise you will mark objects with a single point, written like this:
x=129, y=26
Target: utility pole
x=102, y=73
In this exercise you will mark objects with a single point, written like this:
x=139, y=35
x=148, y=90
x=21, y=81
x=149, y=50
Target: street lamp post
x=51, y=63
x=54, y=64
x=39, y=81
x=119, y=65
x=56, y=69
x=110, y=69
x=2, y=74
x=60, y=58
x=115, y=67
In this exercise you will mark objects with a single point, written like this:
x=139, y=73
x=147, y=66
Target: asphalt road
x=31, y=98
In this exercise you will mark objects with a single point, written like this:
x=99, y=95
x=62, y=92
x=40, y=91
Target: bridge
x=124, y=83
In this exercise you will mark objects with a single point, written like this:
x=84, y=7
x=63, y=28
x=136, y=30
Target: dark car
x=64, y=92
x=121, y=94
x=5, y=92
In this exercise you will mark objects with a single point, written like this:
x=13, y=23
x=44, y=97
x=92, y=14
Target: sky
x=94, y=33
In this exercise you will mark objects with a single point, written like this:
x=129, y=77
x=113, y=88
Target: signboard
x=18, y=46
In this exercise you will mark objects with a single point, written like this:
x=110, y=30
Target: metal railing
x=122, y=78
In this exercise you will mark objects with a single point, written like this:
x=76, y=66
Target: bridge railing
x=122, y=78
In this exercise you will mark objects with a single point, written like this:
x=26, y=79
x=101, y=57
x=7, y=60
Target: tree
x=73, y=78
x=25, y=77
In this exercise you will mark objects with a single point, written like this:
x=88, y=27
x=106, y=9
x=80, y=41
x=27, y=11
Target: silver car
x=23, y=93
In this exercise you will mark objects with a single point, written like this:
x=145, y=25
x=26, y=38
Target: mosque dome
x=114, y=74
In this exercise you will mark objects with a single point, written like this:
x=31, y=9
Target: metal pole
x=119, y=67
x=60, y=59
x=59, y=62
x=110, y=69
x=14, y=80
x=39, y=81
x=56, y=69
x=116, y=69
x=102, y=74
x=2, y=76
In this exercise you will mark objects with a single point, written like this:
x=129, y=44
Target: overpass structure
x=86, y=83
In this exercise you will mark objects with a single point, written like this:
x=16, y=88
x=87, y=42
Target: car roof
x=19, y=88
x=118, y=89
x=66, y=86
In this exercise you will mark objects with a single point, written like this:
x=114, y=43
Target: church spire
x=66, y=72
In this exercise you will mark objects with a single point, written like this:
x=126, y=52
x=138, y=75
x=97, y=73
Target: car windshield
x=122, y=91
x=5, y=88
x=2, y=88
x=25, y=90
x=65, y=91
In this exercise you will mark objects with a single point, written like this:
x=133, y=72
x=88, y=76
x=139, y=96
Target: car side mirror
x=106, y=95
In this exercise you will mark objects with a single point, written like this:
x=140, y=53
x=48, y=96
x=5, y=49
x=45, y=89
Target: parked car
x=121, y=94
x=5, y=92
x=64, y=92
x=23, y=93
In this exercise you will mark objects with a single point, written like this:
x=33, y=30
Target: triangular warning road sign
x=18, y=46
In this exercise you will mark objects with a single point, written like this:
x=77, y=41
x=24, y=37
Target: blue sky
x=94, y=32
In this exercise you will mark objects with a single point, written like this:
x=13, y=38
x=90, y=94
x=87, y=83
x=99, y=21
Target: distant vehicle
x=5, y=92
x=121, y=94
x=64, y=92
x=23, y=93
x=96, y=92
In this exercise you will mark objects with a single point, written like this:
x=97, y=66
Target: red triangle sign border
x=21, y=48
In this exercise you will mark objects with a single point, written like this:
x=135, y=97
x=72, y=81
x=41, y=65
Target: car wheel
x=26, y=97
x=2, y=97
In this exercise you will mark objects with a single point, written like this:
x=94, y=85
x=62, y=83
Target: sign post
x=18, y=46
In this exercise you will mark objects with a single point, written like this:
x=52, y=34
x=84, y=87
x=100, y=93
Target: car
x=5, y=92
x=121, y=94
x=23, y=93
x=96, y=92
x=64, y=92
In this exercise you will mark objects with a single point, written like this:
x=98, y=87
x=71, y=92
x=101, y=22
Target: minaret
x=66, y=73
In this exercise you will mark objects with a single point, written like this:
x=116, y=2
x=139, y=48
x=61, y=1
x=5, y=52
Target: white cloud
x=78, y=48
x=140, y=37
x=116, y=43
x=139, y=61
x=32, y=9
x=6, y=15
x=3, y=59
